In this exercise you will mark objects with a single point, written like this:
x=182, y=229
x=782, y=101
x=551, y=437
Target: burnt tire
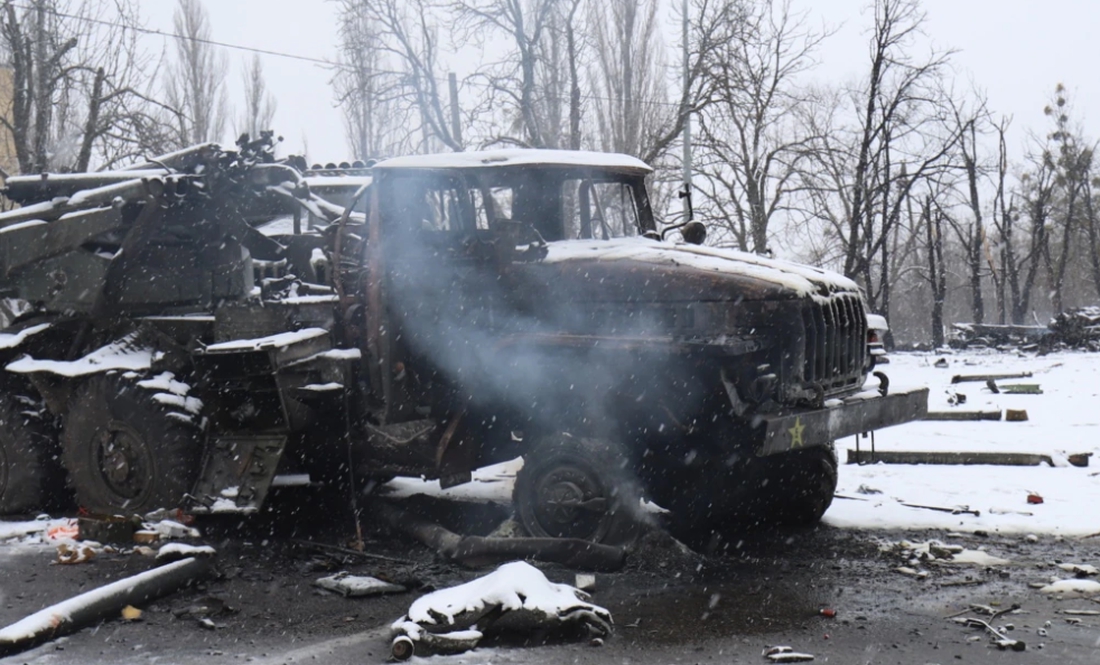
x=576, y=487
x=713, y=500
x=31, y=475
x=802, y=485
x=125, y=451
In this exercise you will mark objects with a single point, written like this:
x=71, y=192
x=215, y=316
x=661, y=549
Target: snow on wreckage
x=491, y=305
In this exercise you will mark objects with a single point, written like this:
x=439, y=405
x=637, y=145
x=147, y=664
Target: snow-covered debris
x=1075, y=588
x=166, y=382
x=174, y=393
x=912, y=572
x=123, y=354
x=169, y=529
x=38, y=528
x=12, y=340
x=270, y=342
x=936, y=552
x=516, y=589
x=176, y=551
x=75, y=553
x=785, y=654
x=1079, y=569
x=331, y=386
x=331, y=354
x=355, y=586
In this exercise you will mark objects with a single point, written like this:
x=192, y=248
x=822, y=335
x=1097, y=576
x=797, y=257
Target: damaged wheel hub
x=122, y=464
x=570, y=498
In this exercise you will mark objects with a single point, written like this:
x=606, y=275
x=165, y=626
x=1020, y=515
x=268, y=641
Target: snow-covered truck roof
x=519, y=157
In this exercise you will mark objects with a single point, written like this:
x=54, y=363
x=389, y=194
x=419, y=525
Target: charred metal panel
x=64, y=283
x=237, y=473
x=794, y=430
x=26, y=244
x=248, y=320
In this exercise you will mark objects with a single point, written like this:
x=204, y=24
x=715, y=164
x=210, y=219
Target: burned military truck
x=199, y=329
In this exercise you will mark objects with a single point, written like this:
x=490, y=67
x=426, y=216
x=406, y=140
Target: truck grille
x=836, y=343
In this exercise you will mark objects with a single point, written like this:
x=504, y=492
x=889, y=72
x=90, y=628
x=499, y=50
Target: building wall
x=7, y=146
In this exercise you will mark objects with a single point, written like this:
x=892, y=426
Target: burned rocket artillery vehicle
x=199, y=328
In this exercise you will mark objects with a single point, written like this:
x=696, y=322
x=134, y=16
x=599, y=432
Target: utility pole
x=685, y=194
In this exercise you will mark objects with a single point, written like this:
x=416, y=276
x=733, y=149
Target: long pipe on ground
x=477, y=551
x=98, y=604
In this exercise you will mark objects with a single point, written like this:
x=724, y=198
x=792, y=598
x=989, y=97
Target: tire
x=31, y=476
x=803, y=484
x=125, y=454
x=789, y=489
x=573, y=487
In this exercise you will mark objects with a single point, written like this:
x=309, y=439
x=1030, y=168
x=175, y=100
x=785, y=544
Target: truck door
x=433, y=313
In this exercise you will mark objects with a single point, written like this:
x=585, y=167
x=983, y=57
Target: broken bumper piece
x=866, y=411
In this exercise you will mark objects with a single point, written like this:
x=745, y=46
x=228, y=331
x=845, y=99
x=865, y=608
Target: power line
x=161, y=33
x=303, y=58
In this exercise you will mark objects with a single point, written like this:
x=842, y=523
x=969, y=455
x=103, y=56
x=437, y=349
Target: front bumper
x=863, y=412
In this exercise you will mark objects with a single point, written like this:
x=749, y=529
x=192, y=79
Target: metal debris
x=357, y=586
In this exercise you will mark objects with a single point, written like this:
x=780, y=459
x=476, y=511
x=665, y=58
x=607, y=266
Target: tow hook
x=884, y=383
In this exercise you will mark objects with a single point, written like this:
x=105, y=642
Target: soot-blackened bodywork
x=204, y=323
x=517, y=292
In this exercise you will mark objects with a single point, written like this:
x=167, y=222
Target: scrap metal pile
x=1077, y=328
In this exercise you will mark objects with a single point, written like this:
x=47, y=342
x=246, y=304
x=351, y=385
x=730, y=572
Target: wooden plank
x=963, y=378
x=963, y=415
x=948, y=457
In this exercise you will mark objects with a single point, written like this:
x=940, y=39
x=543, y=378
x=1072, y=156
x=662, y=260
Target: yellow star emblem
x=796, y=433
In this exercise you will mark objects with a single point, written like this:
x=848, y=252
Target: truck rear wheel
x=31, y=476
x=127, y=452
x=575, y=487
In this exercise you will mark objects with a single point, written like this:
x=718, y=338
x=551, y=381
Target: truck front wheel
x=126, y=450
x=803, y=484
x=575, y=487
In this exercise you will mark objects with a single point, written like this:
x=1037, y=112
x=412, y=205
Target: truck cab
x=526, y=302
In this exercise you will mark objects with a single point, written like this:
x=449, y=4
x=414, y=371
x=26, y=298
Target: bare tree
x=259, y=103
x=752, y=139
x=76, y=84
x=931, y=219
x=969, y=123
x=902, y=138
x=376, y=34
x=526, y=81
x=377, y=114
x=194, y=83
x=1070, y=157
x=629, y=76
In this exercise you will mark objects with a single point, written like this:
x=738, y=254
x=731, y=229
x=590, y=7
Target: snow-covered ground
x=1064, y=420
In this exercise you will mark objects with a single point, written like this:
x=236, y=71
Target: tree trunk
x=936, y=277
x=91, y=124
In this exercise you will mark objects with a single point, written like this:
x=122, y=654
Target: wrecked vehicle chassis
x=204, y=327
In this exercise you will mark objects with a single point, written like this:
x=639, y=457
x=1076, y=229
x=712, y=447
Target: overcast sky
x=1014, y=50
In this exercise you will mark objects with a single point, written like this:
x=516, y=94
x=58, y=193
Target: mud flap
x=237, y=473
x=860, y=413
